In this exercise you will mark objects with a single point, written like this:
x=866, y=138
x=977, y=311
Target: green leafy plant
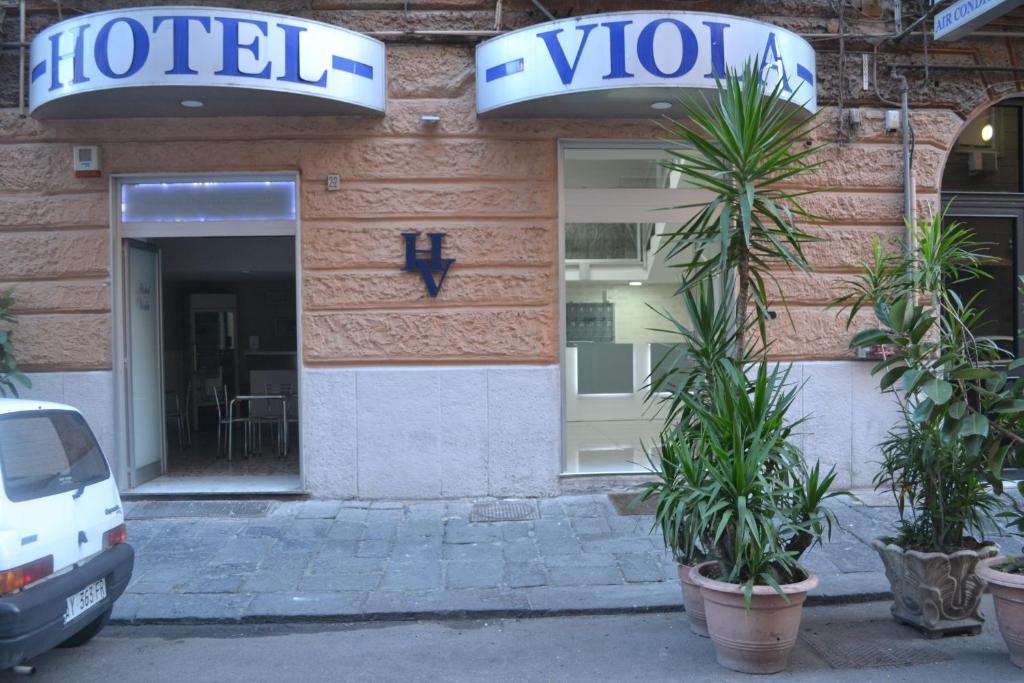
x=731, y=485
x=756, y=507
x=10, y=377
x=743, y=147
x=943, y=463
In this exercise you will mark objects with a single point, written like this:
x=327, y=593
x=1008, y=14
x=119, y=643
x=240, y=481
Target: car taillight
x=119, y=534
x=19, y=577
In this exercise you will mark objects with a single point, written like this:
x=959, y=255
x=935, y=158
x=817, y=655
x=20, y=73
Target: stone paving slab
x=345, y=560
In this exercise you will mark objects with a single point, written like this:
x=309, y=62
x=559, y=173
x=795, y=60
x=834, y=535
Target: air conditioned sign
x=170, y=61
x=962, y=17
x=619, y=64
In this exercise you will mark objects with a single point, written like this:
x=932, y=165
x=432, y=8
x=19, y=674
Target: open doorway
x=209, y=342
x=229, y=331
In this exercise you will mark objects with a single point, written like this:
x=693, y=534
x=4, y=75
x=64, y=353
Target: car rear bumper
x=32, y=621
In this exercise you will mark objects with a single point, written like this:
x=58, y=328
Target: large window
x=984, y=187
x=617, y=206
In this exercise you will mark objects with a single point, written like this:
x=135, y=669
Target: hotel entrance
x=208, y=347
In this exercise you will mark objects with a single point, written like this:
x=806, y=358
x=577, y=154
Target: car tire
x=89, y=631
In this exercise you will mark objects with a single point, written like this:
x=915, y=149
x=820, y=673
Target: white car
x=63, y=555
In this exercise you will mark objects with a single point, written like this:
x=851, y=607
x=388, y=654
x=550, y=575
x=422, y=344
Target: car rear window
x=48, y=452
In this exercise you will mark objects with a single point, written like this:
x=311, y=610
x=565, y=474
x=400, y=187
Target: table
x=249, y=398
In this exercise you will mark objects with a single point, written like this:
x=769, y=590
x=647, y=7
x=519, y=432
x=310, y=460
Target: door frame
x=176, y=230
x=129, y=460
x=965, y=205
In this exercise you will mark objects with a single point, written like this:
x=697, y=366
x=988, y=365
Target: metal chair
x=226, y=423
x=173, y=415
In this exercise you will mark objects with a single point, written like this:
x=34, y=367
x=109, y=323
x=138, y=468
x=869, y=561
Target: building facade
x=248, y=244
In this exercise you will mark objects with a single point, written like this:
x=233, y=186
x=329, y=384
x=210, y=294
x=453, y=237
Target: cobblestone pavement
x=353, y=560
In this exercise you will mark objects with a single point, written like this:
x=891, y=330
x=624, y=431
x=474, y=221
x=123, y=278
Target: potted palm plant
x=943, y=461
x=10, y=376
x=1005, y=577
x=733, y=484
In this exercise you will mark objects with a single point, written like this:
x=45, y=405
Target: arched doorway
x=983, y=187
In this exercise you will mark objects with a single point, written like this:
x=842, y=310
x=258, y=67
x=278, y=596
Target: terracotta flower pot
x=1008, y=591
x=756, y=640
x=693, y=601
x=937, y=593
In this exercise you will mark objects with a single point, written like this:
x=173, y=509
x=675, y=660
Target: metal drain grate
x=844, y=651
x=169, y=509
x=504, y=511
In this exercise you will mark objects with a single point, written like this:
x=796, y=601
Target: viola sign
x=600, y=59
x=234, y=61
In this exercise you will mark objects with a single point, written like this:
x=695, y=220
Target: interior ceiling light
x=191, y=104
x=661, y=105
x=987, y=132
x=635, y=283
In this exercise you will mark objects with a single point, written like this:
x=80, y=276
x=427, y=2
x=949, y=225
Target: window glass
x=986, y=157
x=995, y=295
x=48, y=452
x=213, y=201
x=602, y=169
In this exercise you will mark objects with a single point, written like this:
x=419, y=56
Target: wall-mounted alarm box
x=87, y=161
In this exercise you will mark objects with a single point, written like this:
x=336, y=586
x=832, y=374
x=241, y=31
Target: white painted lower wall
x=451, y=432
x=432, y=432
x=92, y=393
x=847, y=418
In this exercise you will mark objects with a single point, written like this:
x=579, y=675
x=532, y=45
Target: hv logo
x=427, y=262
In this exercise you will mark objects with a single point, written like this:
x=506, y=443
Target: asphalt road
x=630, y=647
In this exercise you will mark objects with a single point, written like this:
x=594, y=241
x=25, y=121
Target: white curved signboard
x=620, y=64
x=173, y=61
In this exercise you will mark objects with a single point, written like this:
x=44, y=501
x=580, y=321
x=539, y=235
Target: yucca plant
x=10, y=376
x=745, y=146
x=757, y=507
x=731, y=484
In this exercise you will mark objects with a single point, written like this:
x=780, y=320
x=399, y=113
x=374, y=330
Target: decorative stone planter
x=756, y=640
x=693, y=601
x=937, y=593
x=1008, y=591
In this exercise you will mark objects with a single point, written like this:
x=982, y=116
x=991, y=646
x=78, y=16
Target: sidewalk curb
x=463, y=614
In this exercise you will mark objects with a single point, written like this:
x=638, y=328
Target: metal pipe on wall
x=21, y=58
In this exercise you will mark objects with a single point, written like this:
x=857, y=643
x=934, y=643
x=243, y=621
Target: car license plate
x=81, y=601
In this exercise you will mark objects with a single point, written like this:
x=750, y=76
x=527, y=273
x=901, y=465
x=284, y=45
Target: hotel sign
x=170, y=61
x=615, y=64
x=962, y=17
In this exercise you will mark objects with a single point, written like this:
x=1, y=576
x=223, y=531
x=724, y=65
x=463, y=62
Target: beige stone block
x=796, y=287
x=490, y=200
x=428, y=158
x=508, y=335
x=54, y=254
x=60, y=296
x=812, y=332
x=936, y=127
x=844, y=247
x=54, y=211
x=63, y=341
x=872, y=166
x=416, y=71
x=376, y=289
x=854, y=208
x=43, y=168
x=201, y=155
x=330, y=245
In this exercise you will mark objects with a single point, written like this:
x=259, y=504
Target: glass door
x=143, y=362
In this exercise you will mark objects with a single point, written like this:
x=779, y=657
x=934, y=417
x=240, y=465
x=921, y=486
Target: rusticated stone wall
x=490, y=184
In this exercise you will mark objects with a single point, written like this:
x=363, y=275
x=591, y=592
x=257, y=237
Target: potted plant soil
x=943, y=461
x=1005, y=577
x=732, y=483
